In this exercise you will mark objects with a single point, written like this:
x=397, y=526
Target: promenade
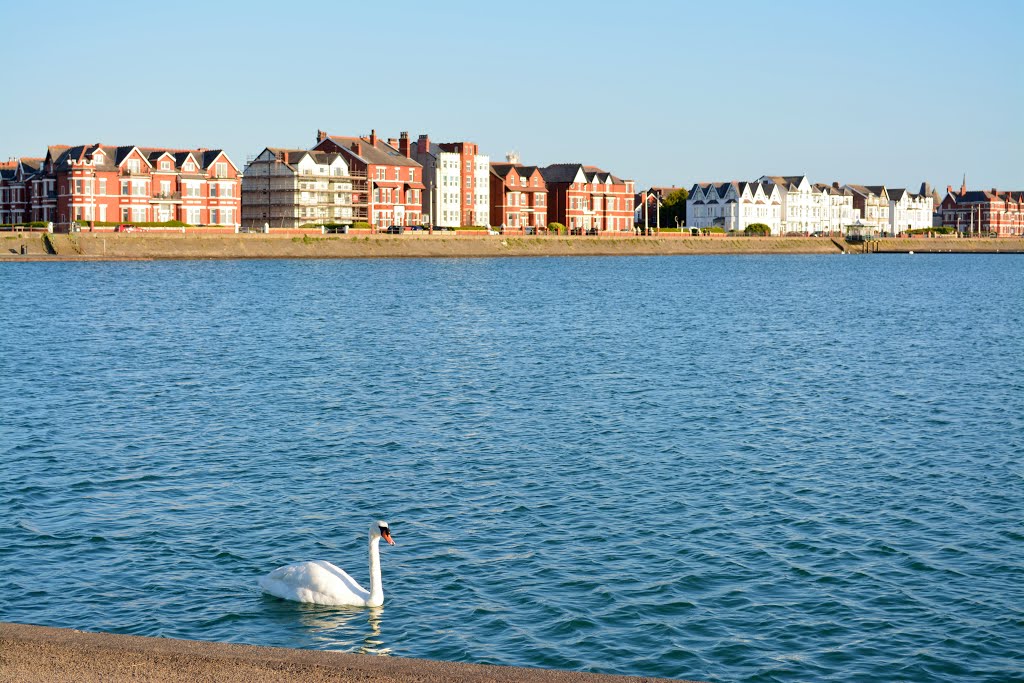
x=114, y=246
x=36, y=654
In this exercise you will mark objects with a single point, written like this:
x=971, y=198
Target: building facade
x=519, y=198
x=99, y=186
x=999, y=213
x=456, y=179
x=872, y=204
x=17, y=185
x=587, y=199
x=735, y=205
x=909, y=211
x=394, y=179
x=838, y=213
x=290, y=188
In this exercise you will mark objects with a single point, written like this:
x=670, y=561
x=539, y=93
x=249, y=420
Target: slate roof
x=382, y=153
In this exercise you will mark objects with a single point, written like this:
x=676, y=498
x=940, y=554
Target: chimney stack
x=320, y=136
x=357, y=148
x=373, y=137
x=393, y=142
x=423, y=144
x=403, y=145
x=949, y=189
x=835, y=184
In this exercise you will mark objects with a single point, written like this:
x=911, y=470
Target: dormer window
x=97, y=158
x=133, y=165
x=190, y=167
x=165, y=165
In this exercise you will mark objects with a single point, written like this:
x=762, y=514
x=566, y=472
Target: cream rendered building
x=287, y=188
x=909, y=211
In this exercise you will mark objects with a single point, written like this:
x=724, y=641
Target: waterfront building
x=588, y=199
x=100, y=186
x=734, y=205
x=456, y=180
x=983, y=212
x=909, y=211
x=838, y=212
x=872, y=203
x=519, y=197
x=289, y=188
x=17, y=178
x=394, y=179
x=804, y=210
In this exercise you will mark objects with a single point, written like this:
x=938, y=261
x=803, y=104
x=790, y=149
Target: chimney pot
x=373, y=137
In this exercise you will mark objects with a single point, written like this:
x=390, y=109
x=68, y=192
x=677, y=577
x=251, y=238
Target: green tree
x=673, y=208
x=759, y=229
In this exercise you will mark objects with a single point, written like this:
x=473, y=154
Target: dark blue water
x=727, y=468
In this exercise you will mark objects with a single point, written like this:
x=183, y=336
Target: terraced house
x=519, y=197
x=394, y=179
x=734, y=205
x=17, y=178
x=588, y=199
x=99, y=186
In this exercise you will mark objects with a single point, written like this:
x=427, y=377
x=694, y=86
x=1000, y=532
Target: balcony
x=165, y=197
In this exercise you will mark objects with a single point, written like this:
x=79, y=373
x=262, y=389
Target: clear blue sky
x=866, y=92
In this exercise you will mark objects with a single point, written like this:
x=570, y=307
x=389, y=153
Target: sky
x=665, y=93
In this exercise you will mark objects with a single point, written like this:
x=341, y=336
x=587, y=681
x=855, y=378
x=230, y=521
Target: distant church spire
x=963, y=186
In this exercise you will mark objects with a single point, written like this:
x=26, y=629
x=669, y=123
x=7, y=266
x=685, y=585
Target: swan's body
x=322, y=583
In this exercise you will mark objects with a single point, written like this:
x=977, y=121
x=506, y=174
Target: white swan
x=322, y=583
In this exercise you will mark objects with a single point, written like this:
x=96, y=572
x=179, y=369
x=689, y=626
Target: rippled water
x=728, y=468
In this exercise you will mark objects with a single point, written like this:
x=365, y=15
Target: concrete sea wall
x=116, y=246
x=36, y=654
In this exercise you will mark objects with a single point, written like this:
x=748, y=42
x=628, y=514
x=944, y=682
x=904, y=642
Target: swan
x=322, y=583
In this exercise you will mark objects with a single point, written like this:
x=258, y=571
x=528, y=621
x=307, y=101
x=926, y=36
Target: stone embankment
x=43, y=655
x=114, y=246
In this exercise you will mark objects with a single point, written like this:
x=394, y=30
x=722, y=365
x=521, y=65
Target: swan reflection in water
x=345, y=630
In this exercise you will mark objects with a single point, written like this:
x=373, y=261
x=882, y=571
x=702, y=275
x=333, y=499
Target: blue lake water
x=726, y=468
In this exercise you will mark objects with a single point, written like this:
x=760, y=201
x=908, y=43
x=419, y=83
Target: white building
x=837, y=204
x=909, y=211
x=734, y=205
x=457, y=181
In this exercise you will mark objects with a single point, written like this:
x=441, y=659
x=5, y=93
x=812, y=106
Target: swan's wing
x=317, y=582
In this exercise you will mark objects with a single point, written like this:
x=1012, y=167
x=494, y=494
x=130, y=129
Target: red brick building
x=587, y=199
x=16, y=178
x=395, y=180
x=100, y=186
x=519, y=197
x=983, y=212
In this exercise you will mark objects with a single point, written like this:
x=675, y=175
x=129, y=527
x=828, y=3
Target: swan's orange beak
x=386, y=535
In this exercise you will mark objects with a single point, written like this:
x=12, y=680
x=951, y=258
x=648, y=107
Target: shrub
x=944, y=230
x=714, y=230
x=361, y=225
x=759, y=229
x=557, y=228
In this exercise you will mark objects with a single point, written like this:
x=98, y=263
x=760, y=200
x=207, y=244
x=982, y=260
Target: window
x=139, y=214
x=124, y=187
x=78, y=186
x=469, y=197
x=213, y=189
x=124, y=214
x=165, y=188
x=103, y=186
x=190, y=167
x=381, y=174
x=193, y=216
x=214, y=216
x=133, y=165
x=396, y=173
x=412, y=175
x=221, y=169
x=165, y=165
x=227, y=190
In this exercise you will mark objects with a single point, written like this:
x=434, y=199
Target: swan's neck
x=376, y=590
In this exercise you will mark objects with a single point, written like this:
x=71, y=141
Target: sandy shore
x=36, y=654
x=114, y=246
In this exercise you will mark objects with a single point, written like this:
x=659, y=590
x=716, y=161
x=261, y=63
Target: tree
x=556, y=228
x=758, y=229
x=673, y=208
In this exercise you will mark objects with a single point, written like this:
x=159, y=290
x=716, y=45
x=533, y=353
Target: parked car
x=125, y=227
x=394, y=230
